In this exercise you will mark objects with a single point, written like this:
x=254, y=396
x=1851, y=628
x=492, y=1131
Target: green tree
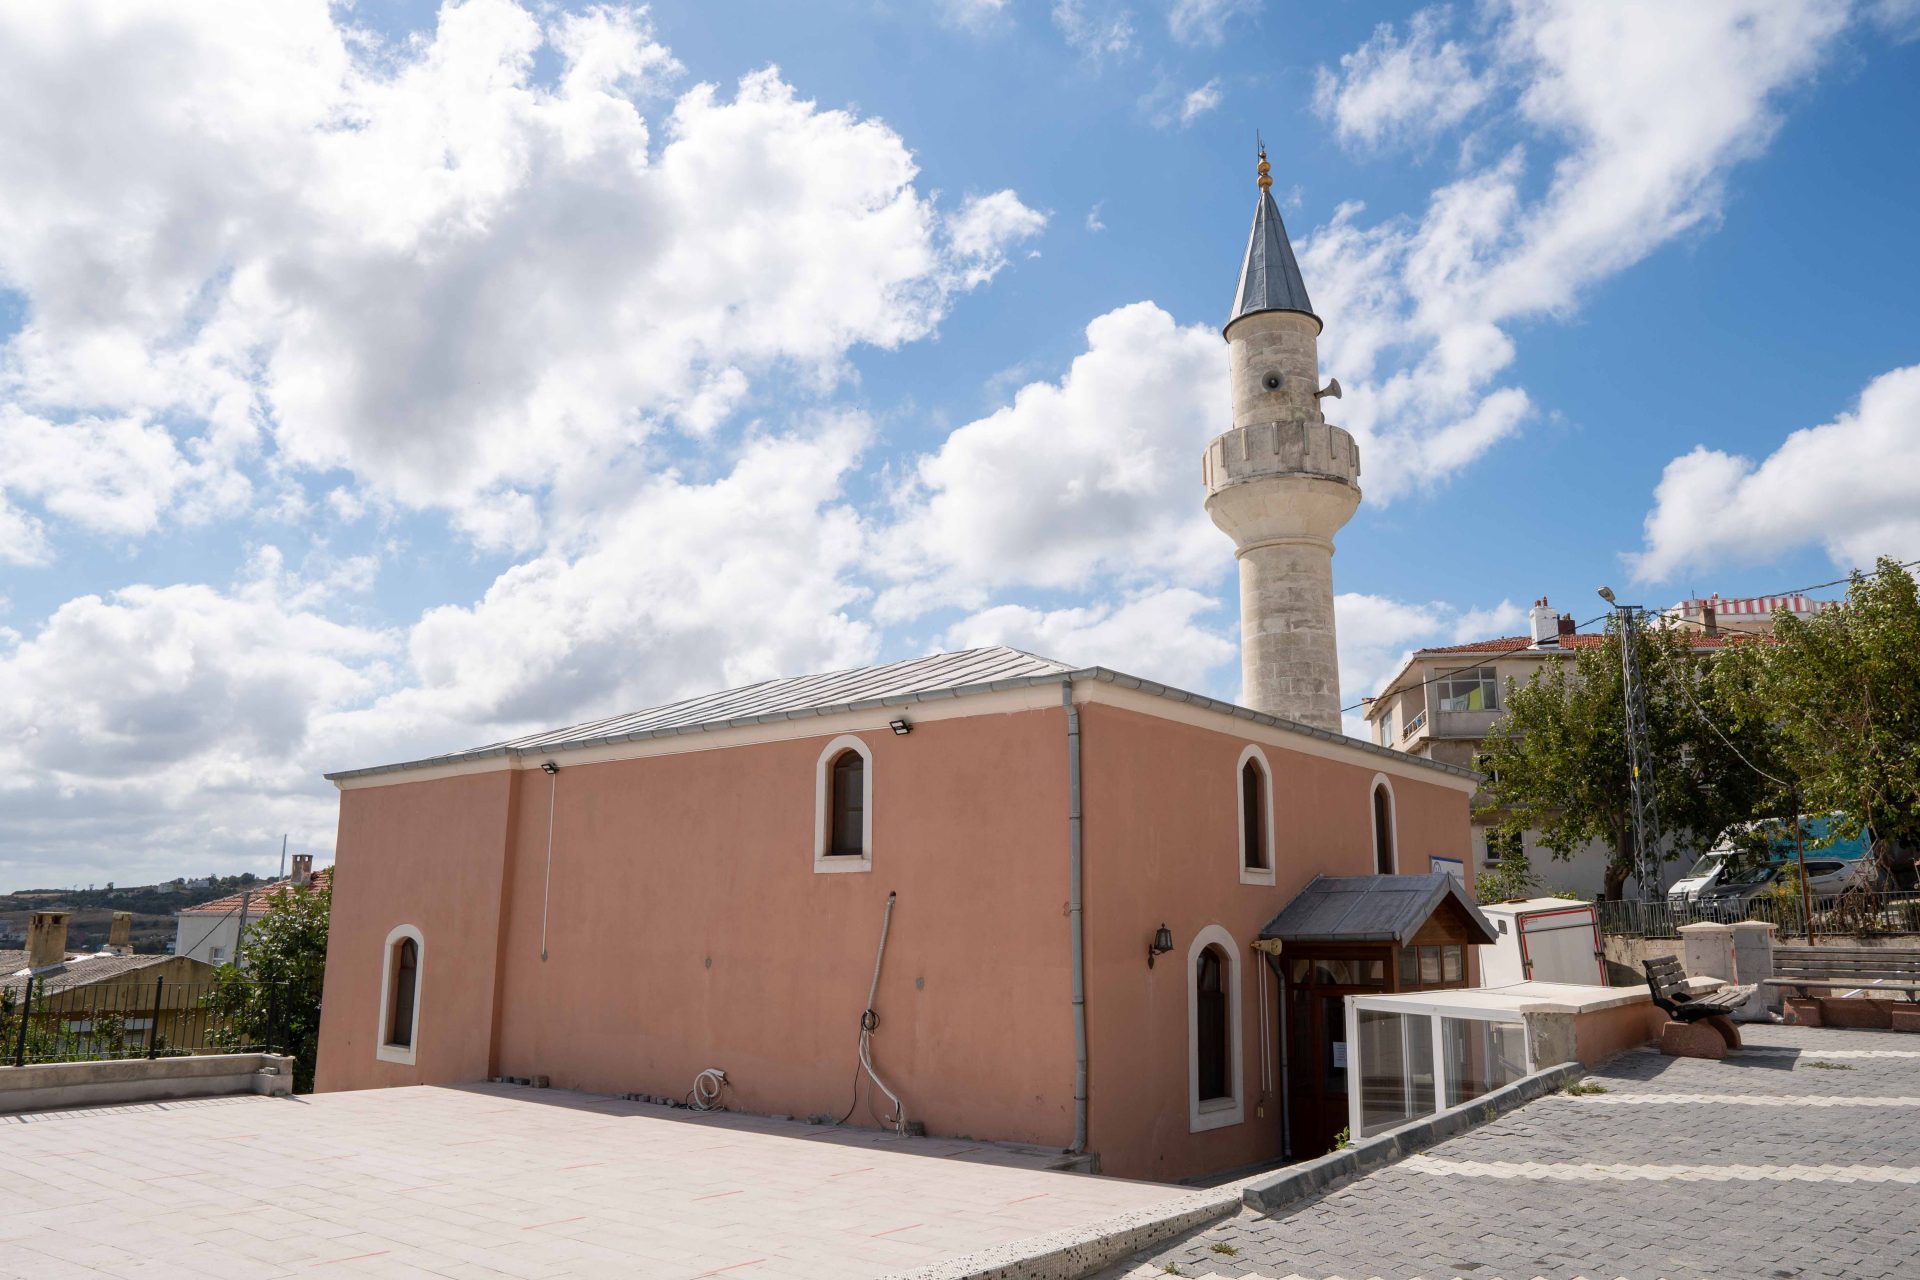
x=1557, y=761
x=1844, y=690
x=271, y=994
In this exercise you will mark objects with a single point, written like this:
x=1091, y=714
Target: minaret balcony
x=1302, y=447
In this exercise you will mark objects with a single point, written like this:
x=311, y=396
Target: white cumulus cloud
x=1653, y=104
x=1850, y=487
x=1392, y=87
x=247, y=234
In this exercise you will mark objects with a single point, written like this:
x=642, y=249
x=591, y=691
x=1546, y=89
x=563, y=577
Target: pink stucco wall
x=1162, y=846
x=687, y=927
x=430, y=854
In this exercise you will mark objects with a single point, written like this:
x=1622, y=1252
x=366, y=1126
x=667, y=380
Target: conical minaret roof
x=1270, y=277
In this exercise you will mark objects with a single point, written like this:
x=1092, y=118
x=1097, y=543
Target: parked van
x=1700, y=877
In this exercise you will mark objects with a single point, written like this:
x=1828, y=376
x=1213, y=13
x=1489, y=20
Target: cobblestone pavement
x=1798, y=1157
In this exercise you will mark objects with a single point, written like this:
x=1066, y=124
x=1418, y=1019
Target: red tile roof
x=263, y=896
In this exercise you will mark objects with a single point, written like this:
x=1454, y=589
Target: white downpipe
x=869, y=1020
x=546, y=892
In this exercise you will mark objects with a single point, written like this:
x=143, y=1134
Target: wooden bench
x=1697, y=1026
x=1849, y=986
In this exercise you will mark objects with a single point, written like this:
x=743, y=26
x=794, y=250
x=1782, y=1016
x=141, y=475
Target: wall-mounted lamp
x=1161, y=944
x=901, y=727
x=550, y=768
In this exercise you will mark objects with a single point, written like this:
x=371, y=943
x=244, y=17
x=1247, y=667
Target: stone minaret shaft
x=1281, y=483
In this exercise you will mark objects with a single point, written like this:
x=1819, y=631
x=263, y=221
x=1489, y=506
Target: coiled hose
x=705, y=1095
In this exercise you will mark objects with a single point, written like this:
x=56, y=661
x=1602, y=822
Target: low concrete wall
x=44, y=1086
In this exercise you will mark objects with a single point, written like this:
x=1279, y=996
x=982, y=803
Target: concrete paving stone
x=505, y=1182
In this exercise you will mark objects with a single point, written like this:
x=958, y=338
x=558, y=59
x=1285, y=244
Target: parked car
x=1825, y=878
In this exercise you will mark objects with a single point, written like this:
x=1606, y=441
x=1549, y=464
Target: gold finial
x=1266, y=170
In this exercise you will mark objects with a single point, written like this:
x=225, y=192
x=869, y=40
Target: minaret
x=1281, y=483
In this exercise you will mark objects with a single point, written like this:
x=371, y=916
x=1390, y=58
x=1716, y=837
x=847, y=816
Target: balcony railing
x=1413, y=726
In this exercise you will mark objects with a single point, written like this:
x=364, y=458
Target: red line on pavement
x=591, y=1164
x=1024, y=1199
x=897, y=1230
x=355, y=1258
x=732, y=1267
x=719, y=1195
x=843, y=1173
x=556, y=1222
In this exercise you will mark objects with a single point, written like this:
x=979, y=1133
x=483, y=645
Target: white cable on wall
x=869, y=1020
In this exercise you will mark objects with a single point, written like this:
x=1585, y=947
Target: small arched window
x=1214, y=1085
x=1213, y=1037
x=848, y=806
x=1383, y=850
x=843, y=806
x=1253, y=804
x=1255, y=780
x=400, y=986
x=406, y=974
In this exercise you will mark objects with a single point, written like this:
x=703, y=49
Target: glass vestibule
x=1412, y=1058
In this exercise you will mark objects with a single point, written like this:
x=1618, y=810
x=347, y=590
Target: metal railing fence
x=1858, y=911
x=43, y=1021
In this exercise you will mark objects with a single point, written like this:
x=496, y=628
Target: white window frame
x=825, y=862
x=1373, y=825
x=1254, y=875
x=403, y=1054
x=1457, y=679
x=1215, y=1113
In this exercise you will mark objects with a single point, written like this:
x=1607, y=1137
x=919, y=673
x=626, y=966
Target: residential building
x=212, y=931
x=1040, y=902
x=1444, y=701
x=102, y=1003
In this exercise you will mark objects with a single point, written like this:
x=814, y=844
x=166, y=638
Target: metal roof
x=1369, y=909
x=80, y=971
x=936, y=677
x=1270, y=277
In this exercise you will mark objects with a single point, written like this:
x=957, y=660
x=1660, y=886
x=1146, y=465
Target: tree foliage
x=271, y=994
x=1842, y=689
x=1557, y=761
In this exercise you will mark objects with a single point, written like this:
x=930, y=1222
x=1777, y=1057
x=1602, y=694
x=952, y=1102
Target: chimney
x=1546, y=624
x=1709, y=617
x=46, y=939
x=120, y=936
x=1566, y=627
x=302, y=870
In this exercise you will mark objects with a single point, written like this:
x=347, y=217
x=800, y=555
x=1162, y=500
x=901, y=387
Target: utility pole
x=1645, y=805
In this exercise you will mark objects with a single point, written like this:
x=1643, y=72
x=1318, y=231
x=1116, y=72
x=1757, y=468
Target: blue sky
x=384, y=380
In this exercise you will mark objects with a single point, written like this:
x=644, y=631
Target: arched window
x=848, y=806
x=406, y=974
x=1213, y=1031
x=1385, y=857
x=843, y=813
x=1255, y=781
x=400, y=986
